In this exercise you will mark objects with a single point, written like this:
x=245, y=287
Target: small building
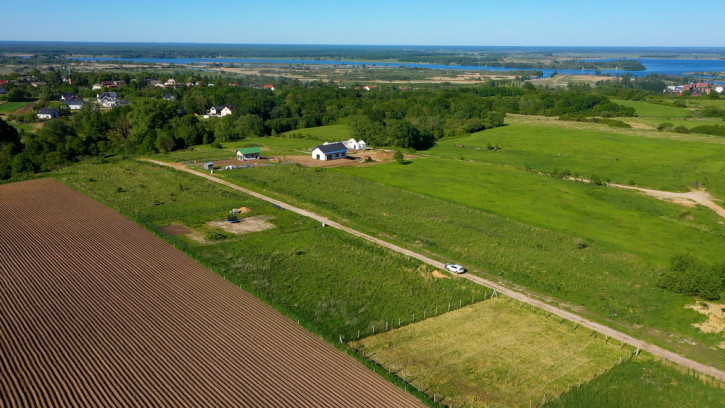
x=74, y=104
x=47, y=113
x=208, y=166
x=249, y=153
x=221, y=110
x=107, y=99
x=330, y=151
x=268, y=86
x=352, y=144
x=719, y=88
x=169, y=97
x=67, y=96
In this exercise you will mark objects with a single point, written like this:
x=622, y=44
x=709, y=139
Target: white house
x=107, y=99
x=719, y=88
x=330, y=151
x=170, y=82
x=355, y=145
x=221, y=110
x=47, y=113
x=249, y=153
x=74, y=104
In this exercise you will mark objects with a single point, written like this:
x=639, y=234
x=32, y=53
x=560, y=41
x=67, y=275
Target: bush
x=399, y=157
x=690, y=277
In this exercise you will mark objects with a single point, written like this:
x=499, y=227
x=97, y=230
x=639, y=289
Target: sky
x=666, y=23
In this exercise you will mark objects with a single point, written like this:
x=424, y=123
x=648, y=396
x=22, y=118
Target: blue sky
x=373, y=22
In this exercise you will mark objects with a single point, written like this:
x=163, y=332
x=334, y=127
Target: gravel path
x=658, y=351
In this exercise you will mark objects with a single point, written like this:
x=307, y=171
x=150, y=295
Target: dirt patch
x=715, y=313
x=440, y=275
x=353, y=159
x=245, y=225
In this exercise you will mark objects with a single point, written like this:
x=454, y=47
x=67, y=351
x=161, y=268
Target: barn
x=330, y=151
x=208, y=166
x=248, y=153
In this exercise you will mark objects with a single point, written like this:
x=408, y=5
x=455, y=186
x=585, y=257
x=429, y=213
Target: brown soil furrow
x=97, y=311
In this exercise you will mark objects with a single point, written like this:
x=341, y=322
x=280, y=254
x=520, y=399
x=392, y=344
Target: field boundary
x=522, y=297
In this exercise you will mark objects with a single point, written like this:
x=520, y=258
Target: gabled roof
x=73, y=102
x=332, y=148
x=67, y=96
x=47, y=111
x=249, y=150
x=108, y=95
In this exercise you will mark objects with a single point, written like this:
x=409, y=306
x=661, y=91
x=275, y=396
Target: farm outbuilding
x=249, y=153
x=330, y=151
x=352, y=144
x=209, y=166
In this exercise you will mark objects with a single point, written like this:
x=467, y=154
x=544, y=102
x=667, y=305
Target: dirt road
x=658, y=351
x=696, y=197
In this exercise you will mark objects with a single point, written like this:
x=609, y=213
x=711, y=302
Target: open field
x=494, y=353
x=348, y=285
x=99, y=311
x=621, y=220
x=654, y=162
x=653, y=114
x=643, y=383
x=597, y=281
x=10, y=107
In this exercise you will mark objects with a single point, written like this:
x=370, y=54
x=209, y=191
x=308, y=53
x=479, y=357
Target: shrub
x=690, y=277
x=399, y=156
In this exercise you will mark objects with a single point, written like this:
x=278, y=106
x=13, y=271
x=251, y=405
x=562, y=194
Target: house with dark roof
x=330, y=151
x=107, y=99
x=47, y=113
x=75, y=104
x=67, y=96
x=249, y=153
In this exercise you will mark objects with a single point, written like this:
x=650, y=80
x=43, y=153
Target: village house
x=249, y=153
x=47, y=113
x=67, y=96
x=171, y=82
x=75, y=104
x=107, y=99
x=330, y=151
x=221, y=110
x=269, y=86
x=719, y=88
x=355, y=145
x=169, y=97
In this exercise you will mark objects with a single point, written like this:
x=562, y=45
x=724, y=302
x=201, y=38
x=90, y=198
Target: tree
x=399, y=157
x=16, y=95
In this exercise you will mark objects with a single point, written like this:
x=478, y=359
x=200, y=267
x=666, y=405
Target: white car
x=455, y=268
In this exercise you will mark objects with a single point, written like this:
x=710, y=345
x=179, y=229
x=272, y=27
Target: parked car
x=455, y=268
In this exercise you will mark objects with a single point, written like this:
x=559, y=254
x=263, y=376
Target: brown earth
x=715, y=313
x=378, y=157
x=97, y=311
x=245, y=225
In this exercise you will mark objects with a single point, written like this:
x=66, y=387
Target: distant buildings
x=700, y=88
x=47, y=113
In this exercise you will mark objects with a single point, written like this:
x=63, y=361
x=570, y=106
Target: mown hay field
x=494, y=353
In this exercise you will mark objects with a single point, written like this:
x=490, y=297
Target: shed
x=330, y=151
x=209, y=166
x=248, y=153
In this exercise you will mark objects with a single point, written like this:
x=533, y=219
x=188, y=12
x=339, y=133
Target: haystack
x=245, y=210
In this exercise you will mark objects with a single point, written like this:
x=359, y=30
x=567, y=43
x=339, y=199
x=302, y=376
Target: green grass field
x=643, y=383
x=10, y=107
x=652, y=162
x=330, y=133
x=494, y=354
x=332, y=282
x=603, y=278
x=653, y=114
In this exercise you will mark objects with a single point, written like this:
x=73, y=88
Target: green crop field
x=652, y=114
x=332, y=282
x=652, y=162
x=643, y=383
x=493, y=354
x=604, y=278
x=10, y=107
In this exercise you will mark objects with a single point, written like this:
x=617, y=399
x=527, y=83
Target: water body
x=663, y=66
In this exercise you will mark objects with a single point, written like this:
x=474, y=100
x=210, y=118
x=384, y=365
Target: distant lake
x=654, y=65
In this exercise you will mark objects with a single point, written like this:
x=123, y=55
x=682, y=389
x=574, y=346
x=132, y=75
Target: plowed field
x=97, y=311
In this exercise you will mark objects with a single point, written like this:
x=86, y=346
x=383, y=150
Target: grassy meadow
x=494, y=354
x=10, y=107
x=653, y=162
x=335, y=284
x=643, y=383
x=652, y=114
x=600, y=278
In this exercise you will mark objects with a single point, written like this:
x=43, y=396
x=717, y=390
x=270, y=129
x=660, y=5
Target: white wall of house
x=226, y=111
x=317, y=154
